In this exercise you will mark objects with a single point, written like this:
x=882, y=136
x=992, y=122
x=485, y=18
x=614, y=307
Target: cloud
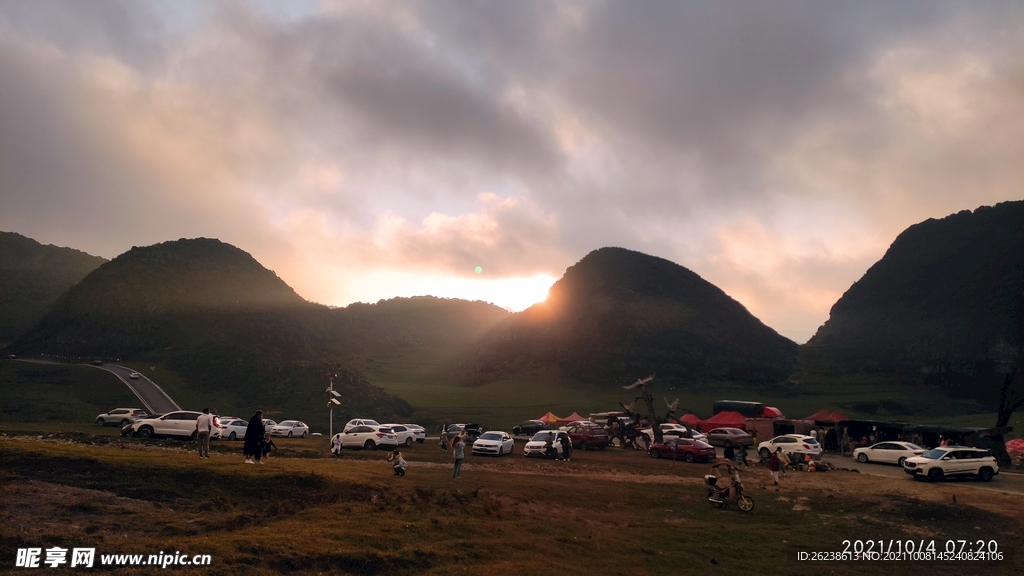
x=775, y=149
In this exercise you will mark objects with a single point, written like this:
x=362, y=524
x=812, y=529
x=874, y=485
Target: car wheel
x=289, y=433
x=408, y=441
x=765, y=453
x=369, y=445
x=935, y=474
x=145, y=432
x=862, y=458
x=901, y=461
x=601, y=447
x=232, y=436
x=655, y=454
x=125, y=422
x=688, y=457
x=304, y=432
x=583, y=446
x=194, y=436
x=985, y=474
x=101, y=422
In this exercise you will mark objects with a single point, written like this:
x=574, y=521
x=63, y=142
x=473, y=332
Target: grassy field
x=610, y=512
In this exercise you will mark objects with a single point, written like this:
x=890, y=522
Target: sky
x=371, y=149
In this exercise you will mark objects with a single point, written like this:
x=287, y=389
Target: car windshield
x=491, y=436
x=541, y=436
x=700, y=444
x=811, y=441
x=934, y=454
x=736, y=431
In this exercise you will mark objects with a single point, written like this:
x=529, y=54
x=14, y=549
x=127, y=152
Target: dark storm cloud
x=773, y=147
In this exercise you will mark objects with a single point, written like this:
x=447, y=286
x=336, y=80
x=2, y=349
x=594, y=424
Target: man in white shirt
x=204, y=427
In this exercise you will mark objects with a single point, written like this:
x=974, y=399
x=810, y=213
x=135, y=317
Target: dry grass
x=608, y=513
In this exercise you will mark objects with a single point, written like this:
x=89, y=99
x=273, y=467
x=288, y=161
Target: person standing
x=775, y=464
x=336, y=445
x=254, y=433
x=204, y=428
x=566, y=447
x=741, y=456
x=458, y=452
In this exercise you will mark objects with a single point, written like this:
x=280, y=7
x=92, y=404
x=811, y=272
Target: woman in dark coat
x=253, y=447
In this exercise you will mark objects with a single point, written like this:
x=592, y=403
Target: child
x=267, y=445
x=398, y=462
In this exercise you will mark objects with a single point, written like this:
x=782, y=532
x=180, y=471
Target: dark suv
x=529, y=428
x=583, y=435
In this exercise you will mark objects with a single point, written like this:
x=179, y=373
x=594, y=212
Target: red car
x=683, y=449
x=586, y=434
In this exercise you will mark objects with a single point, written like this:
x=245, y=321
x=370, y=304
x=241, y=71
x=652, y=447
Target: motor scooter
x=718, y=495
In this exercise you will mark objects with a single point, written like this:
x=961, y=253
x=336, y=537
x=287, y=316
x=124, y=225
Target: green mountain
x=943, y=310
x=619, y=315
x=222, y=330
x=32, y=277
x=412, y=339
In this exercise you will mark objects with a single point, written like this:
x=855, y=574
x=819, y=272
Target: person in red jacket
x=775, y=464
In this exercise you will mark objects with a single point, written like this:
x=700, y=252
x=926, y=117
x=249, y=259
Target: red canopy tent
x=771, y=412
x=838, y=416
x=548, y=418
x=574, y=417
x=690, y=420
x=724, y=419
x=821, y=416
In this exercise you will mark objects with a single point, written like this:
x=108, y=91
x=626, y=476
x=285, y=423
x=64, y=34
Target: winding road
x=152, y=396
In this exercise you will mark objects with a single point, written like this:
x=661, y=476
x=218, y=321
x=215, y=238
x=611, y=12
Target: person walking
x=266, y=447
x=775, y=464
x=730, y=453
x=741, y=456
x=336, y=445
x=784, y=459
x=204, y=428
x=458, y=452
x=254, y=433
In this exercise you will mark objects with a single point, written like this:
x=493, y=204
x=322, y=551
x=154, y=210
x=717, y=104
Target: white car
x=233, y=429
x=406, y=435
x=418, y=431
x=493, y=444
x=790, y=444
x=369, y=437
x=290, y=429
x=670, y=430
x=538, y=444
x=888, y=452
x=134, y=375
x=181, y=424
x=359, y=422
x=121, y=417
x=955, y=461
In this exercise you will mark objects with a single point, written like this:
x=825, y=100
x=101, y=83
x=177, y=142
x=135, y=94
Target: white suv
x=369, y=437
x=359, y=422
x=121, y=417
x=790, y=444
x=953, y=461
x=181, y=424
